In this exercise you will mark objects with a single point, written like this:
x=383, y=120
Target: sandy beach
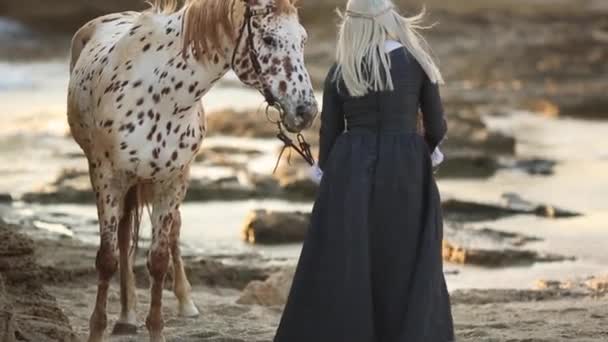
x=523, y=185
x=574, y=311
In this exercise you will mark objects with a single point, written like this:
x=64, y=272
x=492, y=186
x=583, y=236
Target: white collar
x=391, y=45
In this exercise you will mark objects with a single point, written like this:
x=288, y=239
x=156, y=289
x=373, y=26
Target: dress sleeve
x=435, y=126
x=332, y=120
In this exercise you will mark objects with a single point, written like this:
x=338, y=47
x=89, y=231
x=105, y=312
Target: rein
x=302, y=147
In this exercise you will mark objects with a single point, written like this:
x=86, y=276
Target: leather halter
x=302, y=147
x=250, y=44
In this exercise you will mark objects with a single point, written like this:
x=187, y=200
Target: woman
x=371, y=266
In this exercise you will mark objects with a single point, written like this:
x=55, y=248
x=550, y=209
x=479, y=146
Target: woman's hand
x=437, y=157
x=315, y=174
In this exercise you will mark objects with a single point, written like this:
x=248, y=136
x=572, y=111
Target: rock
x=599, y=285
x=459, y=210
x=471, y=149
x=592, y=106
x=294, y=180
x=299, y=188
x=490, y=248
x=214, y=273
x=513, y=239
x=548, y=284
x=543, y=107
x=516, y=202
x=513, y=204
x=67, y=175
x=249, y=124
x=252, y=186
x=236, y=158
x=535, y=166
x=70, y=186
x=27, y=311
x=495, y=258
x=266, y=227
x=229, y=188
x=467, y=165
x=271, y=292
x=470, y=136
x=595, y=285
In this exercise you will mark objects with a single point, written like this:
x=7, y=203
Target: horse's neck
x=191, y=70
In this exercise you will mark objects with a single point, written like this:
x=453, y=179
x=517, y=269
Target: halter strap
x=250, y=44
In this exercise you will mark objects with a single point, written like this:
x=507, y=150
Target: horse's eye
x=268, y=40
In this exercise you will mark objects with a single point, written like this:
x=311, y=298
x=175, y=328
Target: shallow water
x=34, y=148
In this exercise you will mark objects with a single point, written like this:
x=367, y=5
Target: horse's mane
x=207, y=22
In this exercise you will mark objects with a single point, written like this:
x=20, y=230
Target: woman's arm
x=435, y=126
x=332, y=120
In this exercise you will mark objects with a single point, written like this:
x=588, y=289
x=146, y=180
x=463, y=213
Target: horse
x=134, y=107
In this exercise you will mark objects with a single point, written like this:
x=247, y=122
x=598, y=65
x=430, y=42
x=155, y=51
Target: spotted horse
x=134, y=107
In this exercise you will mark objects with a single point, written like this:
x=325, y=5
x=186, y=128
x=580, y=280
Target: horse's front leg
x=181, y=285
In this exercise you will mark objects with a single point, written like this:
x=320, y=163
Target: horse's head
x=270, y=57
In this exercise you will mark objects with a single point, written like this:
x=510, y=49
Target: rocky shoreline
x=48, y=289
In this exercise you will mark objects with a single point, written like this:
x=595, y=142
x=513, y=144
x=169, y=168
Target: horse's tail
x=134, y=203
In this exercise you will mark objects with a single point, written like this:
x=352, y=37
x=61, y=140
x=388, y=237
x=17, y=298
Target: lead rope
x=302, y=147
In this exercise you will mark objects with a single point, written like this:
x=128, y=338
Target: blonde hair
x=363, y=63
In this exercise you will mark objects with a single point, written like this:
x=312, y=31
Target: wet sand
x=526, y=81
x=480, y=315
x=552, y=320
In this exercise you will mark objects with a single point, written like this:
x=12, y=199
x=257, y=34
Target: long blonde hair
x=363, y=63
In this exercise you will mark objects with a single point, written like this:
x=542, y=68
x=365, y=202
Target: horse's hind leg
x=110, y=211
x=166, y=199
x=181, y=285
x=127, y=322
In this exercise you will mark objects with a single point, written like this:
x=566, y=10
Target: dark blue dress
x=371, y=265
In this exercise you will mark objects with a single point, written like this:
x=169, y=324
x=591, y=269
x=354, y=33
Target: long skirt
x=371, y=265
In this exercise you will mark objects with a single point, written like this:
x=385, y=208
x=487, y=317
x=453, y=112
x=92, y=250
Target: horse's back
x=100, y=32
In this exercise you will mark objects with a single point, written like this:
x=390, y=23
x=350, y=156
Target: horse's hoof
x=188, y=310
x=124, y=329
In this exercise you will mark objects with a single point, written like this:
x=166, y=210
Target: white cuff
x=315, y=174
x=437, y=157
